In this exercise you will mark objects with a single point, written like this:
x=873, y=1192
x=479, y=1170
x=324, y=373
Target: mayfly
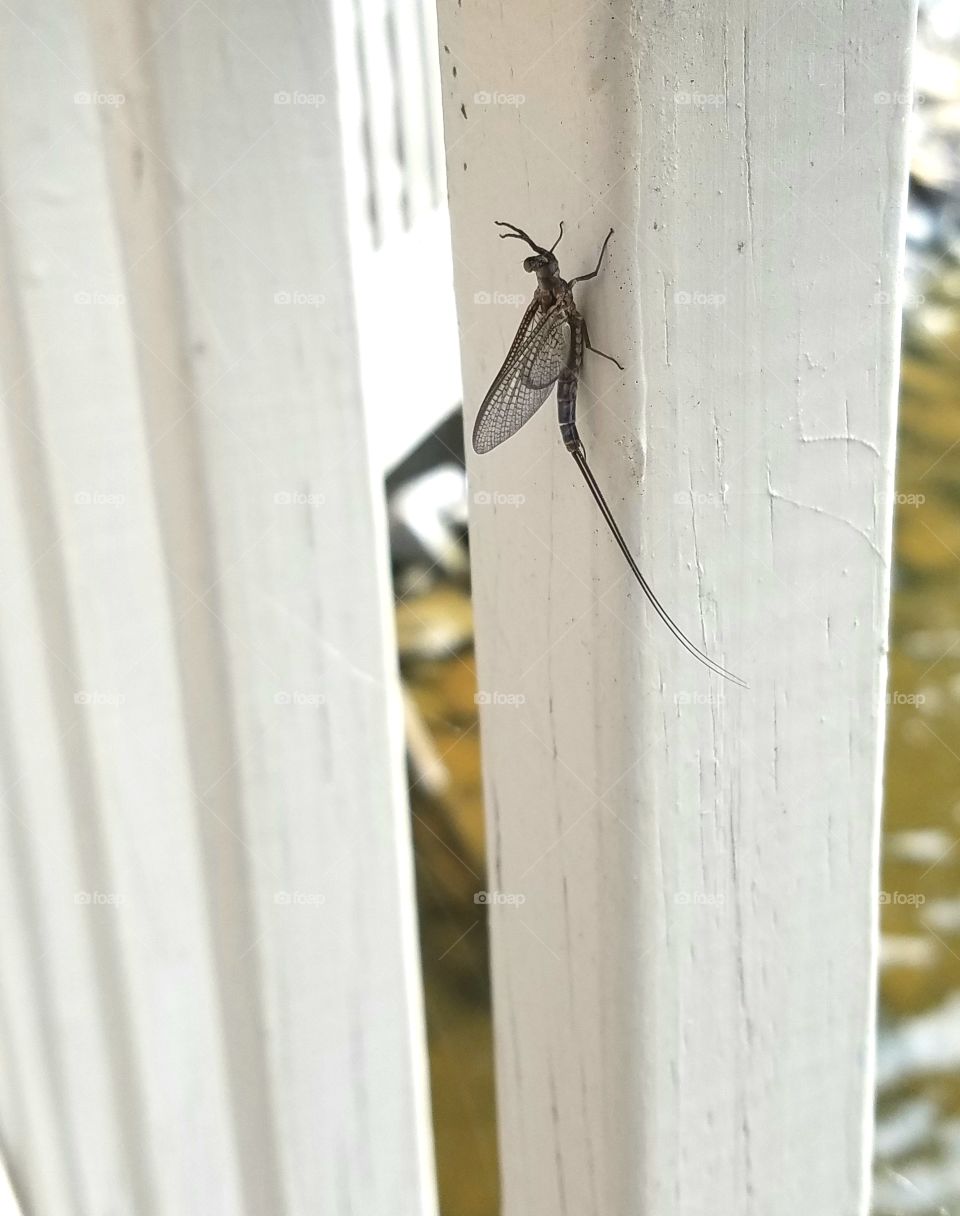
x=547, y=350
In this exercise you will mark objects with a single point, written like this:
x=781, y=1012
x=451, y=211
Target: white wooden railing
x=684, y=1000
x=211, y=998
x=225, y=310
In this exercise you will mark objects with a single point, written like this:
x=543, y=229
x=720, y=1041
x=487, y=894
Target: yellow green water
x=918, y=1106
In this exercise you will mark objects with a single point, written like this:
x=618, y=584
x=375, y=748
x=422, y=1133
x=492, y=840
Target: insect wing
x=525, y=380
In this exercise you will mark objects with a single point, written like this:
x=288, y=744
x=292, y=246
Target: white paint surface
x=684, y=1002
x=201, y=728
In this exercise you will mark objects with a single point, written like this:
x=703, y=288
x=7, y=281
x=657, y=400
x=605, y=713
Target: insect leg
x=586, y=343
x=593, y=274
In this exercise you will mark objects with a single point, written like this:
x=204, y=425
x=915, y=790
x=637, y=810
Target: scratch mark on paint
x=840, y=519
x=747, y=130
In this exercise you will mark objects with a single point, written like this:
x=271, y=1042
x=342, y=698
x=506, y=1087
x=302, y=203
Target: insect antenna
x=520, y=235
x=580, y=457
x=557, y=241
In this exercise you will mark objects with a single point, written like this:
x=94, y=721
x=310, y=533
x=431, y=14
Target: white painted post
x=684, y=1001
x=201, y=712
x=119, y=1051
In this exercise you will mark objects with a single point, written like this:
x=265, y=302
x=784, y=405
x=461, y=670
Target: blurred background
x=917, y=1168
x=918, y=1082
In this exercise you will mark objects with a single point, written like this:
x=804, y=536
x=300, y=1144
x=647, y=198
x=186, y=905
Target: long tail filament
x=580, y=457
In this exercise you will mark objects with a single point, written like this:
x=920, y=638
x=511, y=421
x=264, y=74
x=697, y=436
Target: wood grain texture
x=684, y=998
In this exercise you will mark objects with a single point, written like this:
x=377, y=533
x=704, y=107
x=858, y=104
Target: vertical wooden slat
x=434, y=103
x=415, y=61
x=110, y=677
x=301, y=595
x=148, y=200
x=201, y=734
x=35, y=1133
x=382, y=117
x=684, y=994
x=60, y=1114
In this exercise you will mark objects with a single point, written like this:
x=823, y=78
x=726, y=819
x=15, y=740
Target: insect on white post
x=547, y=350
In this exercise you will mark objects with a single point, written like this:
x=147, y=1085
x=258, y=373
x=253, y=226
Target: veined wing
x=526, y=378
x=530, y=317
